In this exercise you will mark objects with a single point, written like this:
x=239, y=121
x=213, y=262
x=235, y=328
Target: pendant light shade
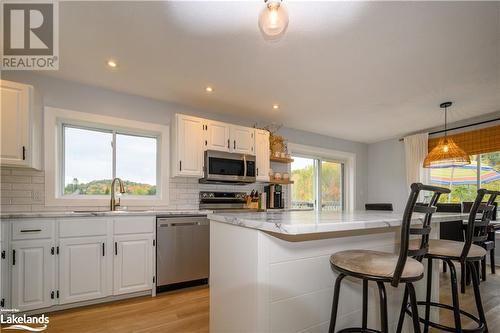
x=273, y=20
x=447, y=152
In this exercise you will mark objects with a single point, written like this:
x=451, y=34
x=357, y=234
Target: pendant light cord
x=445, y=122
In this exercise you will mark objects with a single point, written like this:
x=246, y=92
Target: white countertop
x=103, y=213
x=310, y=222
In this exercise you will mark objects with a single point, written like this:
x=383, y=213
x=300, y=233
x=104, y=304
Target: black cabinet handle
x=234, y=144
x=180, y=165
x=13, y=257
x=52, y=295
x=52, y=250
x=257, y=171
x=206, y=142
x=3, y=254
x=103, y=250
x=31, y=230
x=116, y=248
x=228, y=144
x=24, y=153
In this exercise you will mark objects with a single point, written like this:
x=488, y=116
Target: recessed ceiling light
x=209, y=89
x=276, y=106
x=112, y=64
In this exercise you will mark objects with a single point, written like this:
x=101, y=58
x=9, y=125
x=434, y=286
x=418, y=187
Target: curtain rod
x=460, y=127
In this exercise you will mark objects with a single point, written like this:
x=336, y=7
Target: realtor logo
x=30, y=35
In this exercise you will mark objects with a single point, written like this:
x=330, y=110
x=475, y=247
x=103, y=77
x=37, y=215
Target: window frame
x=348, y=162
x=55, y=120
x=114, y=132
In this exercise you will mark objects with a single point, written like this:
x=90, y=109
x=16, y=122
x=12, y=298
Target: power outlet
x=37, y=196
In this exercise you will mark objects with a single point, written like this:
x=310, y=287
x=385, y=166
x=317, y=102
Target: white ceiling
x=362, y=71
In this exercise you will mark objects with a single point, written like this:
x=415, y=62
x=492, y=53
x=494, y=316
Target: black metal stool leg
x=365, y=304
x=428, y=295
x=478, y=269
x=383, y=308
x=492, y=261
x=483, y=268
x=444, y=267
x=335, y=304
x=402, y=314
x=463, y=277
x=414, y=308
x=454, y=293
x=477, y=296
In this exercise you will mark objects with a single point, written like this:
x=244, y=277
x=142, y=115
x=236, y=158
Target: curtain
x=416, y=148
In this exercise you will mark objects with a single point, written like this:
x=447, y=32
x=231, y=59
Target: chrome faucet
x=113, y=203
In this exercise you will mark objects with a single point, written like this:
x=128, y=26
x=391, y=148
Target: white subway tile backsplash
x=23, y=190
x=16, y=179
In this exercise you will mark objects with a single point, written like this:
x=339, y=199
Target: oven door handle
x=245, y=166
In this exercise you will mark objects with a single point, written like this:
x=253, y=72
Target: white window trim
x=348, y=159
x=53, y=119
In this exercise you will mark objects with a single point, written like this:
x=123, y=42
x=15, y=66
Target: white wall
x=386, y=174
x=80, y=97
x=386, y=165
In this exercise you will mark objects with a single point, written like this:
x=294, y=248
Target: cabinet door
x=84, y=269
x=32, y=274
x=242, y=140
x=15, y=123
x=217, y=136
x=133, y=263
x=189, y=146
x=262, y=155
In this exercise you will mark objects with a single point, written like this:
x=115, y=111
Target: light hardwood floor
x=188, y=311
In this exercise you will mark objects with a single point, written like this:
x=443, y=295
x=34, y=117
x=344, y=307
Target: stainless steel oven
x=229, y=167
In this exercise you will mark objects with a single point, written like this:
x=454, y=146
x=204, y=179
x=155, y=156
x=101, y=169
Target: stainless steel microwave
x=229, y=167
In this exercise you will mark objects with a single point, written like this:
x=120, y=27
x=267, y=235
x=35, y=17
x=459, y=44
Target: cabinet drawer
x=32, y=229
x=134, y=225
x=81, y=227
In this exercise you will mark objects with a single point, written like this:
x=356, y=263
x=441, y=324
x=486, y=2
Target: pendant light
x=447, y=152
x=273, y=20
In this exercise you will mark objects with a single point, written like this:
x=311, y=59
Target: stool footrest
x=358, y=329
x=479, y=329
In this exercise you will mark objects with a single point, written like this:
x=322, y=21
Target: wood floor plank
x=187, y=311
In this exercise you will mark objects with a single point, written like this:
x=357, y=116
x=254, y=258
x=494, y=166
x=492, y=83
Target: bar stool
x=468, y=254
x=382, y=267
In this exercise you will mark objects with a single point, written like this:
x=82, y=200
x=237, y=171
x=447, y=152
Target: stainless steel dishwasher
x=182, y=251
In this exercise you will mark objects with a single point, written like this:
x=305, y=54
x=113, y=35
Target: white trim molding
x=348, y=159
x=53, y=120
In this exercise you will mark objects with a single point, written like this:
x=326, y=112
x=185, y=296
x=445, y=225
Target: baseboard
x=108, y=299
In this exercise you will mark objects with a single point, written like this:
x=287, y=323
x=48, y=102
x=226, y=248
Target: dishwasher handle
x=174, y=224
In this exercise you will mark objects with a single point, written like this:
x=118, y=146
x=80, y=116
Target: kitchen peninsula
x=270, y=272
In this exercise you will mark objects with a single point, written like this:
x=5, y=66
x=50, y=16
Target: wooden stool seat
x=375, y=264
x=450, y=249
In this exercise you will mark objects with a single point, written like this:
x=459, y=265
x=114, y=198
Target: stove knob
x=204, y=195
x=212, y=195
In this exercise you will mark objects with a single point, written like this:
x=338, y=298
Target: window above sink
x=84, y=152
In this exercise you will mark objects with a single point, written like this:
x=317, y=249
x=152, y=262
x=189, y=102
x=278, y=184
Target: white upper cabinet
x=20, y=126
x=262, y=155
x=242, y=140
x=217, y=136
x=188, y=144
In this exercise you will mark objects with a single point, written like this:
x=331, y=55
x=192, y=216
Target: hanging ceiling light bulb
x=447, y=151
x=273, y=20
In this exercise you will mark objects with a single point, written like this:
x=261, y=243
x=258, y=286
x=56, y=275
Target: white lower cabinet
x=133, y=263
x=33, y=277
x=65, y=261
x=84, y=269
